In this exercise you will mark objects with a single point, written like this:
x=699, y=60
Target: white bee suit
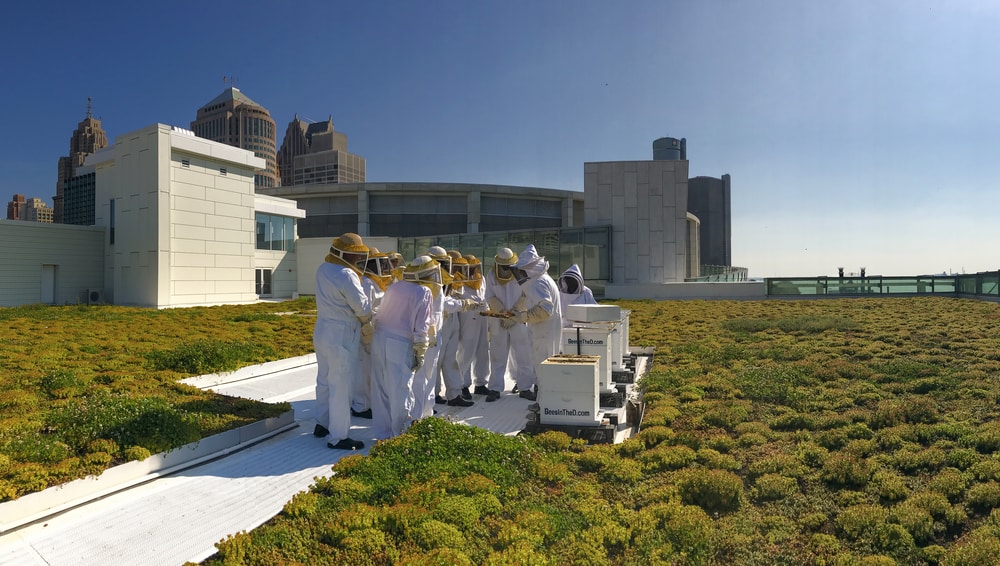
x=542, y=311
x=509, y=347
x=474, y=343
x=572, y=279
x=425, y=379
x=361, y=388
x=340, y=302
x=402, y=321
x=449, y=371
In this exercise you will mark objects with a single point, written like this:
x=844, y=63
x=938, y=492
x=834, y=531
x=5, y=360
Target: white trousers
x=392, y=384
x=450, y=370
x=473, y=349
x=424, y=382
x=336, y=343
x=509, y=347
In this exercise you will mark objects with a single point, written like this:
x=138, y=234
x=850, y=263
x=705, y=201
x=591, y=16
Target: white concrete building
x=177, y=223
x=180, y=218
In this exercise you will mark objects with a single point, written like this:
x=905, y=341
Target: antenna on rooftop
x=89, y=108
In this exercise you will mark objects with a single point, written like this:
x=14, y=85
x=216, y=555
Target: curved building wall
x=709, y=200
x=427, y=209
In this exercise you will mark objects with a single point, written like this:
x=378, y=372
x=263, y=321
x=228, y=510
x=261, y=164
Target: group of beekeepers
x=393, y=340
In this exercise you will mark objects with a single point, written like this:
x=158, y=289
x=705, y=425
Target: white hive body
x=594, y=339
x=568, y=390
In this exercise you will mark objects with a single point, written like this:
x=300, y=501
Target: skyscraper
x=89, y=137
x=315, y=154
x=15, y=207
x=233, y=118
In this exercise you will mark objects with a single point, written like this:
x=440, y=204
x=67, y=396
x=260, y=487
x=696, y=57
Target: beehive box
x=569, y=390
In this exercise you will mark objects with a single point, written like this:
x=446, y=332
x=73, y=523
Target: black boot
x=458, y=401
x=465, y=393
x=346, y=444
x=481, y=390
x=492, y=396
x=320, y=431
x=366, y=414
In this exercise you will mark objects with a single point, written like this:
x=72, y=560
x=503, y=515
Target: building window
x=111, y=215
x=264, y=282
x=185, y=163
x=222, y=171
x=275, y=233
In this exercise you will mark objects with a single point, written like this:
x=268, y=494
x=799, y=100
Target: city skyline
x=856, y=134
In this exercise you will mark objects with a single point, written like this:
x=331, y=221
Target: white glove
x=507, y=323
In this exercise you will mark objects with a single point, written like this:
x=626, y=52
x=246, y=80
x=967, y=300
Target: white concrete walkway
x=177, y=518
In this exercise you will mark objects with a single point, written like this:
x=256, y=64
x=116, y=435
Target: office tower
x=15, y=208
x=709, y=200
x=88, y=138
x=35, y=210
x=669, y=149
x=233, y=118
x=315, y=154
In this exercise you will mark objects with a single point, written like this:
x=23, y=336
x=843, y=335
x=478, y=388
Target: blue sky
x=857, y=133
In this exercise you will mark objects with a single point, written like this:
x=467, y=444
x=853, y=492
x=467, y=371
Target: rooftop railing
x=984, y=284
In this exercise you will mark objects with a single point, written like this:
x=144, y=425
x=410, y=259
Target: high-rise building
x=313, y=153
x=15, y=208
x=709, y=200
x=88, y=138
x=233, y=118
x=35, y=210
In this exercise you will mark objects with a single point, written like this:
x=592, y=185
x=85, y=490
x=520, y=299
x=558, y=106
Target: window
x=222, y=171
x=111, y=215
x=276, y=233
x=185, y=163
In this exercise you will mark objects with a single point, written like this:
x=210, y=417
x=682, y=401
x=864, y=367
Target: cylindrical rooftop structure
x=669, y=149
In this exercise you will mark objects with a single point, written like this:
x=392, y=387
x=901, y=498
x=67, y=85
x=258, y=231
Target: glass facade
x=417, y=214
x=275, y=232
x=589, y=248
x=512, y=213
x=78, y=200
x=328, y=217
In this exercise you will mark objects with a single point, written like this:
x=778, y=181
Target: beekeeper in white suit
x=399, y=345
x=341, y=309
x=542, y=313
x=425, y=380
x=377, y=276
x=474, y=345
x=509, y=345
x=573, y=291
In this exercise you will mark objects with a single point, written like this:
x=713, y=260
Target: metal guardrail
x=985, y=284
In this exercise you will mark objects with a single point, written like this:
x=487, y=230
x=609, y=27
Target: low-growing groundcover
x=832, y=432
x=83, y=388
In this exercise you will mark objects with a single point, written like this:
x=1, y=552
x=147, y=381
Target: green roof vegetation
x=849, y=431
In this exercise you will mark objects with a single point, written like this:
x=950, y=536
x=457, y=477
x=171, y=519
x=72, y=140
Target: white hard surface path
x=180, y=517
